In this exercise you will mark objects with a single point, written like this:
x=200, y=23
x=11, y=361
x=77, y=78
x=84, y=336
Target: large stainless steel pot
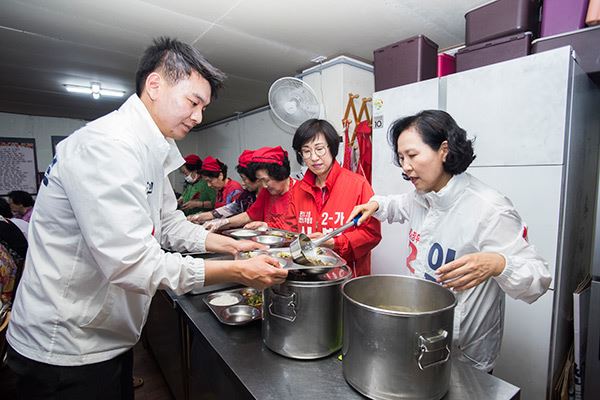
x=302, y=317
x=397, y=337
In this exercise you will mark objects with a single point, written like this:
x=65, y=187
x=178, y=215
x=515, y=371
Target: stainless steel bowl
x=238, y=315
x=269, y=240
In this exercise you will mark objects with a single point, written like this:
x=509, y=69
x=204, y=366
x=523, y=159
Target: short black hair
x=215, y=174
x=307, y=132
x=177, y=60
x=5, y=210
x=247, y=172
x=21, y=198
x=435, y=127
x=275, y=171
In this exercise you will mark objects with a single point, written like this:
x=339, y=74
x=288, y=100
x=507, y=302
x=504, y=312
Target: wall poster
x=18, y=165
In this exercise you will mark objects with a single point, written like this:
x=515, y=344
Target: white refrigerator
x=536, y=126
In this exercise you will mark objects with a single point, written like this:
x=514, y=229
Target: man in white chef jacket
x=104, y=211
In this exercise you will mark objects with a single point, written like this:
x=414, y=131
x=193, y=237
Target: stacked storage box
x=585, y=42
x=446, y=65
x=562, y=23
x=559, y=16
x=404, y=62
x=498, y=31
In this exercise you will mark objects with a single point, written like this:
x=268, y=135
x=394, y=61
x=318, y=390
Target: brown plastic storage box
x=498, y=50
x=501, y=18
x=405, y=62
x=585, y=42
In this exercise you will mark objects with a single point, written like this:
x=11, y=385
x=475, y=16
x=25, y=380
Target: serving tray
x=268, y=236
x=233, y=307
x=325, y=255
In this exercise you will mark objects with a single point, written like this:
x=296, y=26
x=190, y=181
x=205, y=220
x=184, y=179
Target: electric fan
x=293, y=101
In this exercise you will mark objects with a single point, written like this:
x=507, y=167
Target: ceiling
x=47, y=44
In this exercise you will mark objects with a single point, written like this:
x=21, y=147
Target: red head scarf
x=269, y=155
x=192, y=159
x=245, y=158
x=211, y=164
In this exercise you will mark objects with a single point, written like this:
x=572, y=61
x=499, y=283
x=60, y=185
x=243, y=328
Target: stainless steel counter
x=233, y=362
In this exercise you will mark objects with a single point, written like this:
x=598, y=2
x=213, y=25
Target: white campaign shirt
x=104, y=210
x=465, y=217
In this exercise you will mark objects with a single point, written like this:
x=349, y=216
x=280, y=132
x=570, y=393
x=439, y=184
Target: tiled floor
x=154, y=387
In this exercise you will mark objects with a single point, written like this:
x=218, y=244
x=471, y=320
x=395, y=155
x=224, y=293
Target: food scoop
x=303, y=248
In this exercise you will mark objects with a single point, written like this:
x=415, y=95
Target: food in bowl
x=244, y=233
x=319, y=262
x=255, y=300
x=283, y=254
x=224, y=300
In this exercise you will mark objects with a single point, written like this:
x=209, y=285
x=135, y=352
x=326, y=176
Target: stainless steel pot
x=302, y=317
x=397, y=337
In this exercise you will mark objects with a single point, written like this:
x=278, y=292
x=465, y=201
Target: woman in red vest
x=324, y=198
x=215, y=174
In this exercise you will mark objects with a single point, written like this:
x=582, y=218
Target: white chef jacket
x=465, y=217
x=104, y=210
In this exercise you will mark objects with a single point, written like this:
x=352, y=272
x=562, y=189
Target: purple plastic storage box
x=585, y=42
x=498, y=50
x=501, y=18
x=446, y=65
x=410, y=60
x=559, y=16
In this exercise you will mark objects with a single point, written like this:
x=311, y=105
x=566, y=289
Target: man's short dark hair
x=176, y=60
x=21, y=198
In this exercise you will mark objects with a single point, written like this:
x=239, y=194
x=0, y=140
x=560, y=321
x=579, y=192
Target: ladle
x=303, y=248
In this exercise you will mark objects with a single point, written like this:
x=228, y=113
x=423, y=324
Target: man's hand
x=249, y=245
x=470, y=270
x=222, y=244
x=261, y=272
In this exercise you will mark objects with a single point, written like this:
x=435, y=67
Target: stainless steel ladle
x=303, y=248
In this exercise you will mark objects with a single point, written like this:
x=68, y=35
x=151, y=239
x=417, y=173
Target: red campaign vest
x=322, y=210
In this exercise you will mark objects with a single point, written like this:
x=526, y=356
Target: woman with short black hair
x=463, y=234
x=326, y=195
